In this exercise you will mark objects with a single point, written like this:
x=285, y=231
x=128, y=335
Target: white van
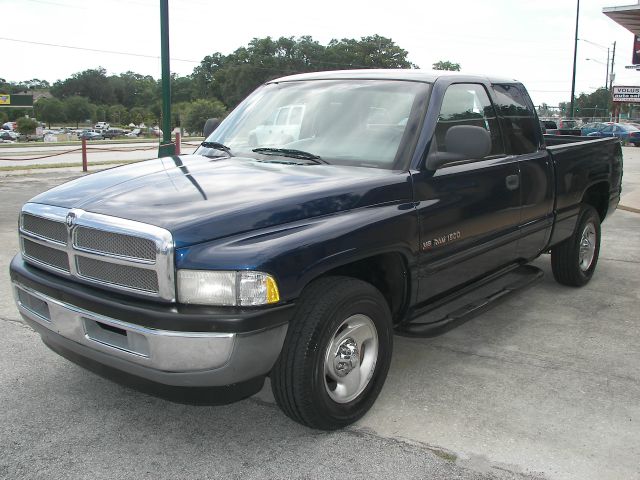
x=102, y=126
x=283, y=126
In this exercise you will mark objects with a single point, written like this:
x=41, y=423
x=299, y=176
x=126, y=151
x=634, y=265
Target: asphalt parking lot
x=546, y=385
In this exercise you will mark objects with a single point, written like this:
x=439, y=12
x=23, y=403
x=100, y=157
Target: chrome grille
x=110, y=252
x=114, y=243
x=47, y=255
x=43, y=227
x=122, y=275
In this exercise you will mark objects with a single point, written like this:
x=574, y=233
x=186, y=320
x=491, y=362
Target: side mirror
x=210, y=125
x=463, y=142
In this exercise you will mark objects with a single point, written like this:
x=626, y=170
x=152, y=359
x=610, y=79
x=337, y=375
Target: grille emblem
x=71, y=219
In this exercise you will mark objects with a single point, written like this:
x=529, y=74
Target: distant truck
x=282, y=126
x=404, y=202
x=102, y=126
x=112, y=133
x=562, y=127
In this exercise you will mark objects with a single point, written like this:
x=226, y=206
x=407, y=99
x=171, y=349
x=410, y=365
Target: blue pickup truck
x=394, y=202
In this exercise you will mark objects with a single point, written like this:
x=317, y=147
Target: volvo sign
x=626, y=94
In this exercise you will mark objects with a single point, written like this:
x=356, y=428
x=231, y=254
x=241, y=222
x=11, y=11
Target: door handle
x=512, y=182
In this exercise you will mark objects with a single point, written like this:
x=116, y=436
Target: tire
x=570, y=265
x=311, y=383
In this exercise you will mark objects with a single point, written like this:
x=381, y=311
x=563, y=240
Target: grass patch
x=42, y=166
x=448, y=456
x=91, y=142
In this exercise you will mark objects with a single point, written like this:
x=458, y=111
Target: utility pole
x=611, y=78
x=613, y=60
x=575, y=54
x=166, y=148
x=606, y=80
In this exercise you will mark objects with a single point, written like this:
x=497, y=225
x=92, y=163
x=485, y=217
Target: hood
x=200, y=199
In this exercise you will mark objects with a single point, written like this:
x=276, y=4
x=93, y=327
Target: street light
x=606, y=81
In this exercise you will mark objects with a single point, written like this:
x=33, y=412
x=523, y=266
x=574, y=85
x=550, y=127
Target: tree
x=3, y=117
x=446, y=65
x=139, y=115
x=26, y=125
x=50, y=110
x=596, y=104
x=232, y=77
x=118, y=115
x=78, y=109
x=199, y=111
x=92, y=84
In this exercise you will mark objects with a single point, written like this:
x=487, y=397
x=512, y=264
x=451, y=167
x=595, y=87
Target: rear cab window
x=517, y=118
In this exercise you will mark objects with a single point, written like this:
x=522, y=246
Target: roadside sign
x=626, y=94
x=16, y=101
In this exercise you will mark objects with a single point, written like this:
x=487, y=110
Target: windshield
x=343, y=122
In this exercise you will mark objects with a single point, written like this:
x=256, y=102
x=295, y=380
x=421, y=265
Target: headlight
x=206, y=287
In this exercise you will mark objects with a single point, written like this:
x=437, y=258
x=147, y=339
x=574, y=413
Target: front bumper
x=177, y=358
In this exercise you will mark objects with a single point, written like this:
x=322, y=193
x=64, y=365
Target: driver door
x=468, y=211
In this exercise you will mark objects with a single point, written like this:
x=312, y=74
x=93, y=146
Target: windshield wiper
x=290, y=152
x=217, y=146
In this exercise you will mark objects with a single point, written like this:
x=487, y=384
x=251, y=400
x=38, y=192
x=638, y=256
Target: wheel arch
x=597, y=196
x=387, y=271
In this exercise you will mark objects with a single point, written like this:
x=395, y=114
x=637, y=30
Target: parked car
x=101, y=126
x=203, y=275
x=134, y=133
x=89, y=135
x=9, y=135
x=588, y=128
x=113, y=133
x=31, y=137
x=624, y=132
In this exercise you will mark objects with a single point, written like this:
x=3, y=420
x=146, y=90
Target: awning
x=627, y=17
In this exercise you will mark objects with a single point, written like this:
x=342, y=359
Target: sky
x=531, y=41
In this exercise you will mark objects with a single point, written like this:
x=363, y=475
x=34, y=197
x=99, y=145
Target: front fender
x=299, y=252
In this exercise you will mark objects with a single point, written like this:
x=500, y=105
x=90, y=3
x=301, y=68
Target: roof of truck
x=390, y=74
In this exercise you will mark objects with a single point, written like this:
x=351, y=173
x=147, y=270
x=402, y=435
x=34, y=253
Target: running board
x=460, y=308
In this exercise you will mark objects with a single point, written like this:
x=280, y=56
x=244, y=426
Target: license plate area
x=116, y=337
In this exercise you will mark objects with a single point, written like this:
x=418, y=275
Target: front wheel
x=574, y=261
x=336, y=355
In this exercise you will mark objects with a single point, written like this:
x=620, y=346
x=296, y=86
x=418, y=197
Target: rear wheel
x=336, y=355
x=574, y=261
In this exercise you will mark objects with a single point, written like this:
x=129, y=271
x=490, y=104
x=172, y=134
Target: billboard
x=16, y=101
x=626, y=94
x=635, y=58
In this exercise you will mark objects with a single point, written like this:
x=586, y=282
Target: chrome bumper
x=167, y=357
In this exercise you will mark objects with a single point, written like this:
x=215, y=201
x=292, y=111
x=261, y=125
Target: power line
x=46, y=2
x=113, y=52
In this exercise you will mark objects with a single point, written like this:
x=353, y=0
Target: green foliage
x=78, y=109
x=50, y=110
x=26, y=126
x=446, y=65
x=596, y=104
x=198, y=112
x=118, y=115
x=92, y=84
x=131, y=97
x=3, y=117
x=99, y=114
x=232, y=77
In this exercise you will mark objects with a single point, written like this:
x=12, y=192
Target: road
x=545, y=385
x=97, y=152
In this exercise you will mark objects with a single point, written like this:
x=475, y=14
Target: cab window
x=518, y=119
x=468, y=104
